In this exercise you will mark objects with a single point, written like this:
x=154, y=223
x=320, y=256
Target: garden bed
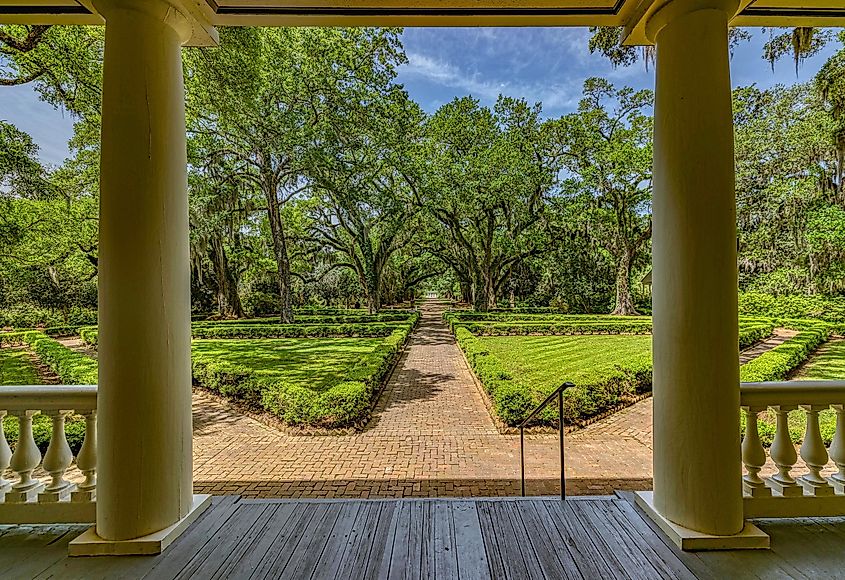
x=520, y=361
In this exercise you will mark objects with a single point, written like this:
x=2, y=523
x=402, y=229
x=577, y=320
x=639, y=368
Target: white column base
x=751, y=537
x=90, y=544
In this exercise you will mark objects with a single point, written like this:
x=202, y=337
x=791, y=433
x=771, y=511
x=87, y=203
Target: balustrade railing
x=782, y=494
x=29, y=499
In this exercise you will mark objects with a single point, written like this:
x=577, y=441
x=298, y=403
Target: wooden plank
x=329, y=561
x=353, y=561
x=445, y=549
x=284, y=536
x=471, y=554
x=497, y=556
x=511, y=520
x=400, y=547
x=307, y=553
x=589, y=559
x=628, y=518
x=416, y=538
x=631, y=559
x=178, y=554
x=553, y=554
x=212, y=555
x=230, y=543
x=51, y=561
x=258, y=543
x=690, y=559
x=378, y=558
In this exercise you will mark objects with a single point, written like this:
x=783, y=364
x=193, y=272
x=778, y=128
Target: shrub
x=29, y=316
x=777, y=363
x=71, y=367
x=347, y=403
x=89, y=335
x=827, y=308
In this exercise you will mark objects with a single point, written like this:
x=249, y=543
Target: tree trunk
x=228, y=300
x=624, y=302
x=280, y=251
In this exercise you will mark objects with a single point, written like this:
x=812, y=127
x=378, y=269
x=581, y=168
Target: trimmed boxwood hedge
x=89, y=335
x=776, y=364
x=556, y=328
x=292, y=331
x=72, y=368
x=315, y=319
x=513, y=401
x=346, y=404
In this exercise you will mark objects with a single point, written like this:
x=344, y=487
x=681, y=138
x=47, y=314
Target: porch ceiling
x=434, y=12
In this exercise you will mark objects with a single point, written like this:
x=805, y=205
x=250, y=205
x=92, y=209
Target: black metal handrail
x=559, y=394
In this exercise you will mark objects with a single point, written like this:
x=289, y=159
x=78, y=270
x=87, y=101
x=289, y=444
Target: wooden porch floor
x=598, y=537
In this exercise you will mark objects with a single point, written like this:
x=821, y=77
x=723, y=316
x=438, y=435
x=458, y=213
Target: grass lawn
x=546, y=361
x=314, y=363
x=16, y=368
x=827, y=364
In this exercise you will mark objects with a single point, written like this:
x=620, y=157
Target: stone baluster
x=784, y=455
x=86, y=461
x=837, y=449
x=57, y=460
x=5, y=456
x=753, y=455
x=24, y=461
x=814, y=454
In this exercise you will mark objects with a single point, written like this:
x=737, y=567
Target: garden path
x=430, y=435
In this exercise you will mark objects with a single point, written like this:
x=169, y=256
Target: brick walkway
x=431, y=435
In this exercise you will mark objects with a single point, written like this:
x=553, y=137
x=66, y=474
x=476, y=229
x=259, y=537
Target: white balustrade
x=781, y=494
x=53, y=499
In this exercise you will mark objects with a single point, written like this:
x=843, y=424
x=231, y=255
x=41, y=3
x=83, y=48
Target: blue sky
x=539, y=64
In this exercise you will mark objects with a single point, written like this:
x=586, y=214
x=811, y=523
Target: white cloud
x=554, y=96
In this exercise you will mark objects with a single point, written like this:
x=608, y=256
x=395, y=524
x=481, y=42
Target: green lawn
x=16, y=368
x=314, y=363
x=828, y=364
x=546, y=361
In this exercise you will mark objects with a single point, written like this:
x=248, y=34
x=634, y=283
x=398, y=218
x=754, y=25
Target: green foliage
x=291, y=330
x=511, y=323
x=498, y=364
x=16, y=368
x=29, y=316
x=776, y=364
x=71, y=367
x=343, y=400
x=827, y=308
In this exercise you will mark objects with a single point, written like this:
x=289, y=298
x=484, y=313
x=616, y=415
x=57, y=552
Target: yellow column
x=696, y=369
x=144, y=400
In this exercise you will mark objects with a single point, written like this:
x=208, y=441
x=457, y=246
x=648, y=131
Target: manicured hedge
x=827, y=308
x=292, y=331
x=315, y=319
x=513, y=400
x=26, y=316
x=72, y=368
x=557, y=328
x=89, y=335
x=345, y=404
x=777, y=363
x=749, y=334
